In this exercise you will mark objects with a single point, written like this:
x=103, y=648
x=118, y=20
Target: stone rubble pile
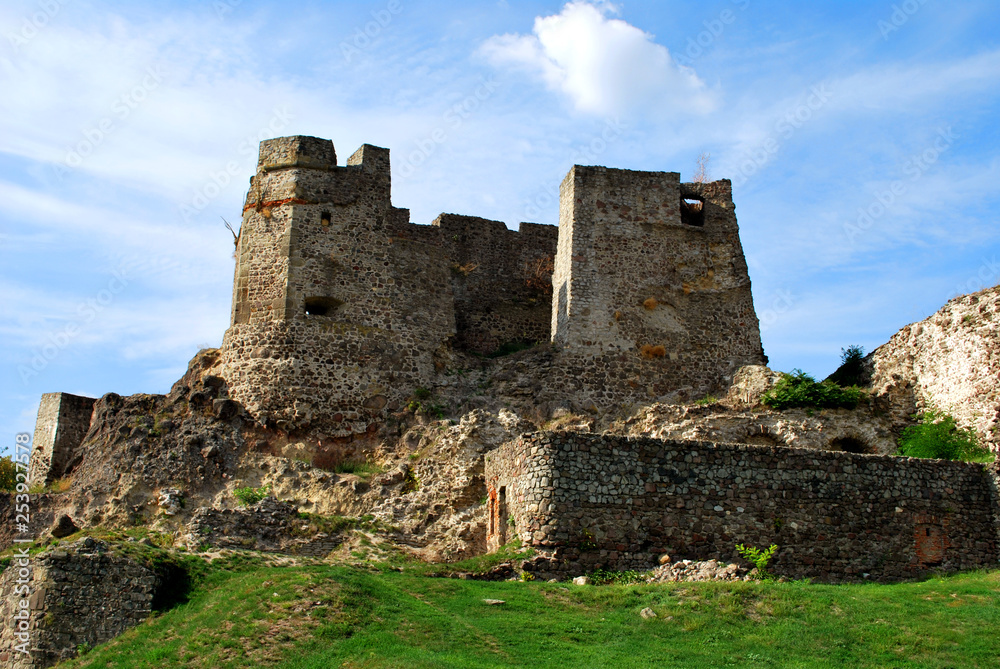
x=688, y=570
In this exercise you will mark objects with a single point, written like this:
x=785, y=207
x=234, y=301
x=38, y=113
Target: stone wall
x=584, y=501
x=43, y=510
x=501, y=281
x=949, y=361
x=79, y=595
x=269, y=525
x=650, y=280
x=62, y=423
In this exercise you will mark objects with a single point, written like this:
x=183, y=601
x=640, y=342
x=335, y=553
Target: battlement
x=341, y=304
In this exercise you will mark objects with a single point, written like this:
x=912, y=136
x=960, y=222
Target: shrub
x=8, y=474
x=361, y=468
x=939, y=436
x=608, y=577
x=249, y=496
x=758, y=558
x=540, y=274
x=650, y=303
x=851, y=371
x=798, y=389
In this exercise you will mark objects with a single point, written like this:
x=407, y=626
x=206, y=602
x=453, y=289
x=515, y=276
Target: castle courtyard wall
x=585, y=501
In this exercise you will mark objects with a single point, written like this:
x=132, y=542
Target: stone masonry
x=653, y=269
x=63, y=421
x=342, y=307
x=949, y=361
x=77, y=595
x=585, y=501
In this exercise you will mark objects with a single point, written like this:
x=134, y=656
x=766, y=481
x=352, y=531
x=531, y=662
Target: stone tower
x=321, y=336
x=651, y=269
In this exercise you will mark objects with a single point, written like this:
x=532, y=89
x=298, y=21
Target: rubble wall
x=584, y=501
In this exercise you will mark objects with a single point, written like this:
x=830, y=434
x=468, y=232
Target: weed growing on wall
x=939, y=436
x=758, y=558
x=250, y=496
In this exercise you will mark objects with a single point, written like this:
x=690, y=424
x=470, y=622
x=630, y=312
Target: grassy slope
x=329, y=616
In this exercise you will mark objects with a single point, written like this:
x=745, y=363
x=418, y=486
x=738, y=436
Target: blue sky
x=861, y=138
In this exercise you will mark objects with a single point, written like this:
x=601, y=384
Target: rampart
x=584, y=501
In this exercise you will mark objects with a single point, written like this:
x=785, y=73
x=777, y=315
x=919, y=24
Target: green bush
x=851, y=371
x=8, y=474
x=939, y=436
x=798, y=389
x=249, y=496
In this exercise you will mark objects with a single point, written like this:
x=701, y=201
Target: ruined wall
x=649, y=290
x=270, y=525
x=79, y=595
x=62, y=423
x=501, y=279
x=583, y=501
x=949, y=361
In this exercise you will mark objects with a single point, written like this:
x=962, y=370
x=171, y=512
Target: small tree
x=701, y=169
x=800, y=390
x=8, y=474
x=852, y=370
x=758, y=558
x=939, y=436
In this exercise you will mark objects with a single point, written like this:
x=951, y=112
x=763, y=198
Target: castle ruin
x=341, y=306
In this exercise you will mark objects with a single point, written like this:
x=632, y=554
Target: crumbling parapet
x=62, y=423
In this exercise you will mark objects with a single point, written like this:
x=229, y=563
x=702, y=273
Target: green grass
x=337, y=616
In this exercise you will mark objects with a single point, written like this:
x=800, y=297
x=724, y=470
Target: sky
x=861, y=139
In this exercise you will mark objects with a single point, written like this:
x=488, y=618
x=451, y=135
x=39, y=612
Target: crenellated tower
x=322, y=334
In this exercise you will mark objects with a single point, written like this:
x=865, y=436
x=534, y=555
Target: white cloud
x=604, y=65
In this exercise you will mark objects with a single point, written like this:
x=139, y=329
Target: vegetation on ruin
x=937, y=435
x=800, y=390
x=361, y=468
x=852, y=370
x=8, y=474
x=322, y=615
x=249, y=496
x=758, y=557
